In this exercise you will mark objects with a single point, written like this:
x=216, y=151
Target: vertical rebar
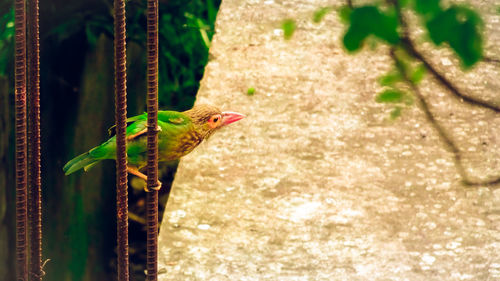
x=34, y=179
x=121, y=142
x=21, y=163
x=152, y=164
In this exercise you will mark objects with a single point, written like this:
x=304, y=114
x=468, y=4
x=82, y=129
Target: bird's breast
x=184, y=145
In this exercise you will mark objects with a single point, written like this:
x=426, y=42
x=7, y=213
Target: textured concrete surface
x=317, y=183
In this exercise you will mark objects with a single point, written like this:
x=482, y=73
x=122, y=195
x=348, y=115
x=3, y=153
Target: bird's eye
x=214, y=121
x=215, y=118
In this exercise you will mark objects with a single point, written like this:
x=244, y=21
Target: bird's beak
x=231, y=117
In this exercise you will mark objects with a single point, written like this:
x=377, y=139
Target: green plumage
x=178, y=136
x=82, y=161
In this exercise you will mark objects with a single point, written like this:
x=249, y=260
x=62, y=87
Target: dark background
x=77, y=107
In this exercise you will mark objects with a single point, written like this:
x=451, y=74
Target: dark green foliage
x=369, y=20
x=457, y=26
x=288, y=27
x=427, y=7
x=6, y=41
x=460, y=27
x=98, y=25
x=185, y=34
x=77, y=107
x=93, y=25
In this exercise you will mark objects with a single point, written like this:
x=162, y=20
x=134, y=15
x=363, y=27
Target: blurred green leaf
x=345, y=14
x=386, y=27
x=354, y=37
x=396, y=112
x=404, y=3
x=368, y=20
x=320, y=13
x=6, y=41
x=390, y=78
x=91, y=35
x=203, y=32
x=251, y=91
x=461, y=28
x=418, y=74
x=7, y=26
x=185, y=32
x=288, y=27
x=198, y=24
x=390, y=96
x=211, y=11
x=441, y=25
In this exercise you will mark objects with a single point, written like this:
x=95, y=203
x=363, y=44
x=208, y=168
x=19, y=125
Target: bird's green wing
x=138, y=123
x=173, y=118
x=130, y=121
x=173, y=126
x=170, y=120
x=107, y=150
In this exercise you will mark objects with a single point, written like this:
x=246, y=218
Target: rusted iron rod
x=34, y=179
x=121, y=142
x=152, y=164
x=21, y=146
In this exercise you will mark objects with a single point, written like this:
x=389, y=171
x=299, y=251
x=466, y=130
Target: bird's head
x=207, y=118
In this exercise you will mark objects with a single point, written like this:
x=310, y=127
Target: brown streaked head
x=208, y=118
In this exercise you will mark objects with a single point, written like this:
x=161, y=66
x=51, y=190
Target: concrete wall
x=317, y=183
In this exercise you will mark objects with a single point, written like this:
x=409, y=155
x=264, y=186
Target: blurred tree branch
x=409, y=46
x=457, y=26
x=440, y=130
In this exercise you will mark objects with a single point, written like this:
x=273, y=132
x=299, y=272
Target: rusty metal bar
x=21, y=146
x=34, y=179
x=121, y=142
x=152, y=165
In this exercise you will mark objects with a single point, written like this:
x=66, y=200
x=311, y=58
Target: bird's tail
x=85, y=161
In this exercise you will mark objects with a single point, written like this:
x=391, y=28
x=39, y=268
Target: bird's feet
x=136, y=172
x=157, y=187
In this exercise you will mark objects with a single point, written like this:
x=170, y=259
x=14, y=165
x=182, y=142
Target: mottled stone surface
x=317, y=183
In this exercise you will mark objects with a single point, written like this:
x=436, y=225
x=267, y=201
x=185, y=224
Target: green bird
x=179, y=133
